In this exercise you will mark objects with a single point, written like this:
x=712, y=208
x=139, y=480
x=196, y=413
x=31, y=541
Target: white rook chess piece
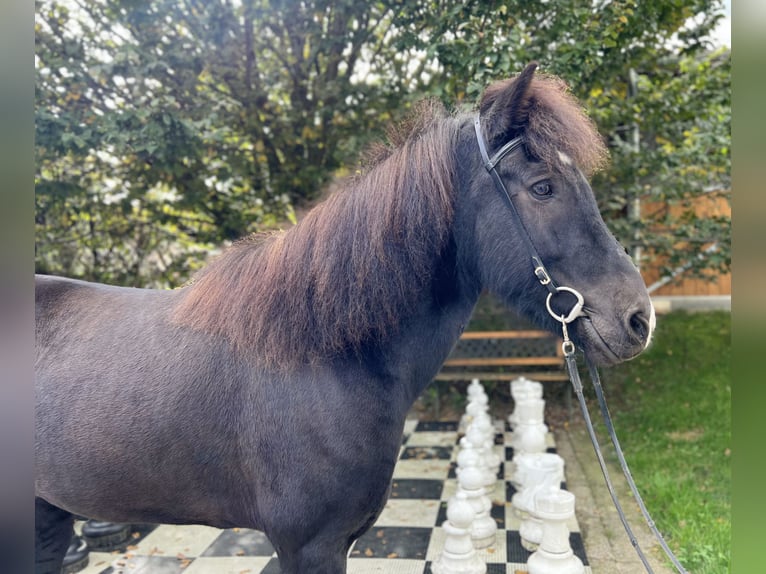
x=458, y=555
x=483, y=528
x=554, y=555
x=541, y=473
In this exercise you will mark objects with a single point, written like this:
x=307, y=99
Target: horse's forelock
x=558, y=124
x=542, y=109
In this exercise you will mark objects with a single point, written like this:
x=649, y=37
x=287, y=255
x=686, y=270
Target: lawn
x=672, y=412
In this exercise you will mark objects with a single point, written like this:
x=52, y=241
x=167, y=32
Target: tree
x=184, y=124
x=646, y=73
x=209, y=118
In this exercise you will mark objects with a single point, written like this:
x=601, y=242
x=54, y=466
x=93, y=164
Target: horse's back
x=57, y=295
x=71, y=310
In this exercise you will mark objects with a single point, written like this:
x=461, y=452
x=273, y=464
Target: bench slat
x=536, y=334
x=485, y=376
x=504, y=361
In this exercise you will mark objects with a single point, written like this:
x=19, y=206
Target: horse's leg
x=54, y=529
x=317, y=557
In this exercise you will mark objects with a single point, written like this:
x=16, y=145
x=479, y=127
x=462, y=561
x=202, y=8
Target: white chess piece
x=483, y=528
x=476, y=389
x=477, y=402
x=520, y=389
x=474, y=441
x=555, y=555
x=529, y=435
x=542, y=473
x=484, y=432
x=458, y=555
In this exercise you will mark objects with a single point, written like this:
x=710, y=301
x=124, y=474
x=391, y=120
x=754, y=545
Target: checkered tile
x=406, y=539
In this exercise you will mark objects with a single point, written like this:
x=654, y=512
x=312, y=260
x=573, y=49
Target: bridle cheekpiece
x=541, y=273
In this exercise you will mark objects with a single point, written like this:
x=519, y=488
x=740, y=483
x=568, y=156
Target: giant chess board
x=406, y=539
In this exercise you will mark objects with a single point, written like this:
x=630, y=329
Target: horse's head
x=544, y=174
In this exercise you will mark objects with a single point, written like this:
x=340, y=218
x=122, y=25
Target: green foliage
x=164, y=128
x=189, y=124
x=645, y=72
x=672, y=412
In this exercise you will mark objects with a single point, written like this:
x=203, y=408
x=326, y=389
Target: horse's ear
x=504, y=107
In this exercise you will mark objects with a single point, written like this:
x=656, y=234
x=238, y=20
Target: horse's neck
x=427, y=337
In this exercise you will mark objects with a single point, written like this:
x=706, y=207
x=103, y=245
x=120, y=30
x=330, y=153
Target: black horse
x=271, y=392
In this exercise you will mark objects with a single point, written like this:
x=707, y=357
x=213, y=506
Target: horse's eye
x=542, y=189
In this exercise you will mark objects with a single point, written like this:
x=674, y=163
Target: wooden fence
x=705, y=206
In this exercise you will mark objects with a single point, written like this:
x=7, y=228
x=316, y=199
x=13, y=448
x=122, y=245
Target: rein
x=568, y=349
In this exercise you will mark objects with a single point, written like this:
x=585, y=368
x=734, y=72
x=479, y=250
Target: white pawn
x=483, y=432
x=458, y=555
x=477, y=406
x=476, y=389
x=474, y=441
x=483, y=528
x=476, y=394
x=555, y=555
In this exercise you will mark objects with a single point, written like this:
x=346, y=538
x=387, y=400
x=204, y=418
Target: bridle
x=541, y=273
x=568, y=348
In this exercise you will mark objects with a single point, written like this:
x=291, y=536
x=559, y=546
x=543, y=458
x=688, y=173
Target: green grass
x=672, y=413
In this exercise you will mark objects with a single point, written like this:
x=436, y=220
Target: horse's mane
x=355, y=264
x=350, y=269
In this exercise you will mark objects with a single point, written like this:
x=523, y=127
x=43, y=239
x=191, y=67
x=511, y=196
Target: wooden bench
x=504, y=356
x=495, y=356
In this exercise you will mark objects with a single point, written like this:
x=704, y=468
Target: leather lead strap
x=569, y=353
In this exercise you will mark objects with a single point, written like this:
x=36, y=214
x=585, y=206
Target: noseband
x=540, y=271
x=569, y=353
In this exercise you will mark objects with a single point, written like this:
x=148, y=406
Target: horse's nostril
x=639, y=325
